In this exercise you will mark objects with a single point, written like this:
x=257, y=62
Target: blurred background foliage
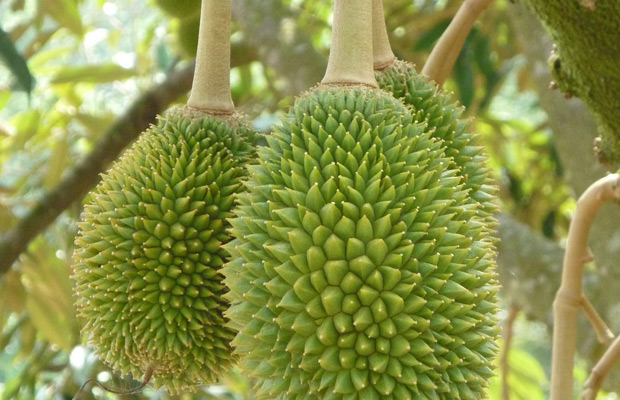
x=71, y=67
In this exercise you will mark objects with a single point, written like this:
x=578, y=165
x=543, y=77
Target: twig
x=603, y=333
x=447, y=50
x=568, y=300
x=600, y=371
x=513, y=311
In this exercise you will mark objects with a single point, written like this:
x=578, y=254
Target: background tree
x=82, y=78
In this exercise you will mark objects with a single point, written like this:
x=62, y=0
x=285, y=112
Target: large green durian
x=444, y=119
x=354, y=273
x=149, y=250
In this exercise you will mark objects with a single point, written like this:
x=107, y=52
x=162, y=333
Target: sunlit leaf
x=93, y=74
x=526, y=378
x=95, y=124
x=11, y=389
x=26, y=125
x=15, y=63
x=44, y=56
x=48, y=323
x=12, y=292
x=27, y=339
x=49, y=300
x=65, y=12
x=5, y=96
x=58, y=162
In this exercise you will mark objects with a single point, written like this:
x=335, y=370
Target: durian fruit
x=179, y=8
x=149, y=250
x=443, y=117
x=353, y=274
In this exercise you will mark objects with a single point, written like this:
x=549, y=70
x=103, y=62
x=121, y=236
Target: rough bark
x=586, y=62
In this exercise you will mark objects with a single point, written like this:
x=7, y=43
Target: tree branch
x=601, y=370
x=445, y=53
x=568, y=300
x=77, y=182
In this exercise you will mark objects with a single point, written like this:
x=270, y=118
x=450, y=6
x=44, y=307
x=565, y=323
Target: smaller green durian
x=149, y=250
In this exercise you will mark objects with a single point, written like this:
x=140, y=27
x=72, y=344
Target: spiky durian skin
x=353, y=274
x=443, y=116
x=149, y=251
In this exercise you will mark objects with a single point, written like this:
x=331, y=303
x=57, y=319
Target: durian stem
x=211, y=87
x=447, y=50
x=350, y=58
x=568, y=300
x=383, y=54
x=145, y=381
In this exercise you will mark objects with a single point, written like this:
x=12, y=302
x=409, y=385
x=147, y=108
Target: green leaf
x=12, y=293
x=95, y=124
x=57, y=163
x=5, y=96
x=93, y=74
x=27, y=125
x=49, y=300
x=464, y=75
x=484, y=61
x=15, y=63
x=11, y=389
x=429, y=37
x=42, y=57
x=65, y=12
x=47, y=322
x=526, y=377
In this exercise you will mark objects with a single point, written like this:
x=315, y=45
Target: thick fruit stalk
x=149, y=248
x=353, y=274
